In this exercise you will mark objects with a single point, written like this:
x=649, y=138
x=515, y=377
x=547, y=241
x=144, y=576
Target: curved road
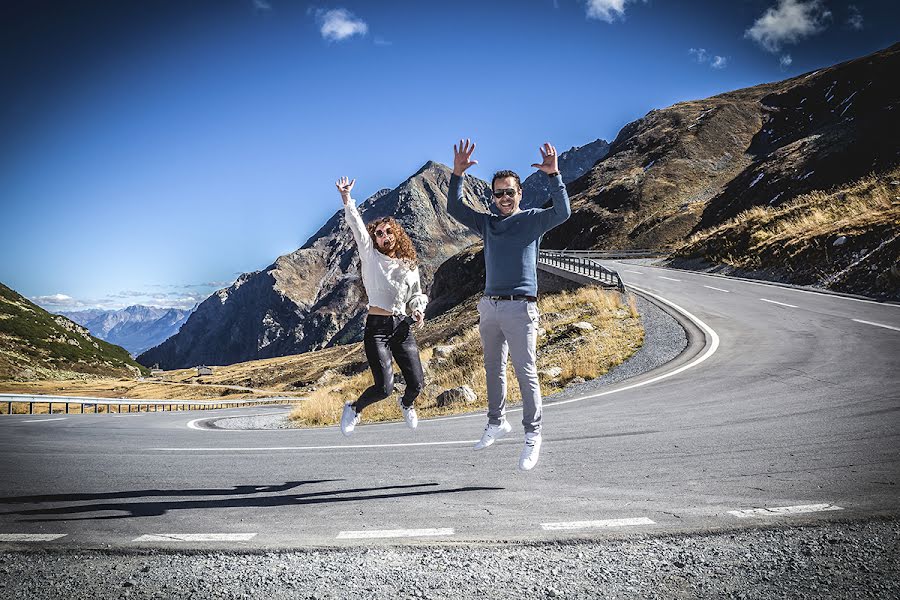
x=790, y=402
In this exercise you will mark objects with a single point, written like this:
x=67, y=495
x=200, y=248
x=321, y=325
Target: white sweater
x=389, y=283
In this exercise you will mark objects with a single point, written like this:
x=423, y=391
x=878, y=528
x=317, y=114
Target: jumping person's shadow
x=155, y=508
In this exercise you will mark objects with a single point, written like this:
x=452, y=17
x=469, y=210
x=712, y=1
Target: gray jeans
x=509, y=328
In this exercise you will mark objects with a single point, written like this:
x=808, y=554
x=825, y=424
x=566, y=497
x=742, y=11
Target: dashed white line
x=783, y=510
x=570, y=525
x=669, y=278
x=45, y=420
x=635, y=272
x=195, y=537
x=393, y=533
x=30, y=537
x=778, y=303
x=877, y=324
x=717, y=289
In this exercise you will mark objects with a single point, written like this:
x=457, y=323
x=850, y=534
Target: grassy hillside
x=35, y=344
x=845, y=239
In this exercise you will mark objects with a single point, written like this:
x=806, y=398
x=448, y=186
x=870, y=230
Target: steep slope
x=313, y=297
x=35, y=344
x=690, y=166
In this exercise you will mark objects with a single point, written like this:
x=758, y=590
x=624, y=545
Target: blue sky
x=153, y=149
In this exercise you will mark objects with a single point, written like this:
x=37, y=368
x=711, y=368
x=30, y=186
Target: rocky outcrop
x=313, y=297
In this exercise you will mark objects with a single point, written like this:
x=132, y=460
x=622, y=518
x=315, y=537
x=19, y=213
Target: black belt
x=516, y=297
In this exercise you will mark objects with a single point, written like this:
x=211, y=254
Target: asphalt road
x=785, y=399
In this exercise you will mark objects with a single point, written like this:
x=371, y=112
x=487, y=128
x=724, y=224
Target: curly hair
x=403, y=247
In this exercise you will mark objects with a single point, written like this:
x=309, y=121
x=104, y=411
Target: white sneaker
x=349, y=419
x=492, y=433
x=409, y=415
x=530, y=452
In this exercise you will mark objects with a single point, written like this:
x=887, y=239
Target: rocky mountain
x=573, y=163
x=685, y=168
x=35, y=344
x=136, y=328
x=313, y=297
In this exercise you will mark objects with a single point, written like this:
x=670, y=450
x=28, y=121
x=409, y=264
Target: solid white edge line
x=393, y=533
x=766, y=284
x=877, y=324
x=30, y=537
x=570, y=525
x=669, y=278
x=717, y=289
x=195, y=537
x=778, y=303
x=44, y=420
x=783, y=510
x=635, y=272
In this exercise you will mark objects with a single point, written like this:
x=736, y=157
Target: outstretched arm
x=351, y=215
x=462, y=160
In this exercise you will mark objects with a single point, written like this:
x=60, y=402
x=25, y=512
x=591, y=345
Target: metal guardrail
x=148, y=405
x=582, y=265
x=613, y=254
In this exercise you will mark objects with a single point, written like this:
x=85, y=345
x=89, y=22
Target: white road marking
x=717, y=289
x=195, y=537
x=393, y=533
x=30, y=537
x=783, y=510
x=44, y=420
x=778, y=303
x=877, y=324
x=345, y=447
x=569, y=525
x=635, y=272
x=669, y=278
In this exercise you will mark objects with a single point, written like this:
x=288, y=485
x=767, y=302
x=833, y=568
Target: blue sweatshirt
x=510, y=243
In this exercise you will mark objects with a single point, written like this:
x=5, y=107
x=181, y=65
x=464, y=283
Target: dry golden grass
x=858, y=207
x=617, y=334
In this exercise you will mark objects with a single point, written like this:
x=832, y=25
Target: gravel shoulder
x=828, y=560
x=664, y=340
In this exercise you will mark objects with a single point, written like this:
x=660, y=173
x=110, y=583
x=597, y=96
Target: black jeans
x=386, y=337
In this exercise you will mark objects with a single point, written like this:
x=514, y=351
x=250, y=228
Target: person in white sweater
x=390, y=274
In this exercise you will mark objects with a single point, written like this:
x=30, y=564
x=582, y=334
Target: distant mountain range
x=35, y=344
x=135, y=328
x=313, y=297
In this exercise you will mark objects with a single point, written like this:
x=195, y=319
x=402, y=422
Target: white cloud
x=606, y=10
x=262, y=5
x=788, y=22
x=855, y=20
x=703, y=57
x=339, y=24
x=53, y=300
x=785, y=61
x=699, y=54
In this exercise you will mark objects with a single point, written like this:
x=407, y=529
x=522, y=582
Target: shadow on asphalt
x=158, y=508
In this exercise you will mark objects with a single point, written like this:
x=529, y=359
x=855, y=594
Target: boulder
x=458, y=395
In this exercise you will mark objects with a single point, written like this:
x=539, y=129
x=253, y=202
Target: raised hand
x=419, y=318
x=462, y=156
x=551, y=161
x=344, y=185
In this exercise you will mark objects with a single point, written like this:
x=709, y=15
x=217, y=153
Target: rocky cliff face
x=135, y=328
x=694, y=164
x=313, y=297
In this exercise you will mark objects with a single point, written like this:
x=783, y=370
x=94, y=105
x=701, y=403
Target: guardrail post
x=31, y=408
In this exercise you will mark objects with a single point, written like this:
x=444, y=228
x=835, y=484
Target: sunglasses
x=383, y=232
x=506, y=192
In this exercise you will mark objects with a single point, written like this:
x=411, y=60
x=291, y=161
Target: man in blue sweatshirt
x=508, y=310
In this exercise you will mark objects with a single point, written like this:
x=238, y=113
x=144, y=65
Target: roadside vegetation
x=846, y=238
x=583, y=334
